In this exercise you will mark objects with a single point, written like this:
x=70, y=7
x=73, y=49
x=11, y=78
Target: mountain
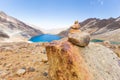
x=49, y=31
x=12, y=29
x=54, y=31
x=111, y=36
x=97, y=26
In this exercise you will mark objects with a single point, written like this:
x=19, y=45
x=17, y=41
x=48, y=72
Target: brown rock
x=45, y=73
x=20, y=72
x=76, y=25
x=44, y=60
x=75, y=28
x=107, y=43
x=65, y=62
x=79, y=39
x=31, y=69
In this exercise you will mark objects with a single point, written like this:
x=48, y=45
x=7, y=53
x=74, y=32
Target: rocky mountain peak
x=118, y=18
x=2, y=13
x=96, y=26
x=15, y=28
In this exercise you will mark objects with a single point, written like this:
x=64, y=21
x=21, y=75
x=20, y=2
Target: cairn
x=77, y=37
x=75, y=28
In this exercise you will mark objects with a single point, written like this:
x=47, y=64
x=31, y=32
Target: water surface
x=45, y=38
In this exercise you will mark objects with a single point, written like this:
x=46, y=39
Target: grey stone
x=81, y=39
x=45, y=73
x=20, y=72
x=31, y=69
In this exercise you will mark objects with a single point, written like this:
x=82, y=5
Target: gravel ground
x=23, y=61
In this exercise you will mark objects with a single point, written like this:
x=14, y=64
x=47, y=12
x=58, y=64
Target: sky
x=49, y=14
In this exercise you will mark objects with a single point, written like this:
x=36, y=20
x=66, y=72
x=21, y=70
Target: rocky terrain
x=93, y=62
x=23, y=61
x=81, y=62
x=28, y=61
x=111, y=36
x=71, y=58
x=99, y=27
x=12, y=29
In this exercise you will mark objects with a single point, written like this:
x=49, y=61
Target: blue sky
x=50, y=14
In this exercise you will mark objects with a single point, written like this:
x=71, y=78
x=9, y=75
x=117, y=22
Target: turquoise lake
x=45, y=38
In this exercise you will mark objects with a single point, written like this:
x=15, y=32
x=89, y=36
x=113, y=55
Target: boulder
x=103, y=63
x=65, y=62
x=3, y=35
x=80, y=39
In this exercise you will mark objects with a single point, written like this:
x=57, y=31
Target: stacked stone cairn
x=77, y=37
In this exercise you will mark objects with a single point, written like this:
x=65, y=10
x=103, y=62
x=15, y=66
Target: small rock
x=21, y=72
x=75, y=28
x=44, y=60
x=76, y=25
x=3, y=73
x=43, y=51
x=45, y=73
x=119, y=62
x=81, y=39
x=2, y=58
x=8, y=65
x=4, y=64
x=31, y=69
x=23, y=67
x=107, y=43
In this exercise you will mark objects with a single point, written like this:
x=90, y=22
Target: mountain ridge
x=96, y=26
x=15, y=28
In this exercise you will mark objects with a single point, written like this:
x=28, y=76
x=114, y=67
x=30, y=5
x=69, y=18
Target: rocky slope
x=28, y=61
x=15, y=29
x=98, y=26
x=111, y=36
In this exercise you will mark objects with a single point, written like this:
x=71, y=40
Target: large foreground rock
x=103, y=63
x=66, y=63
x=93, y=62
